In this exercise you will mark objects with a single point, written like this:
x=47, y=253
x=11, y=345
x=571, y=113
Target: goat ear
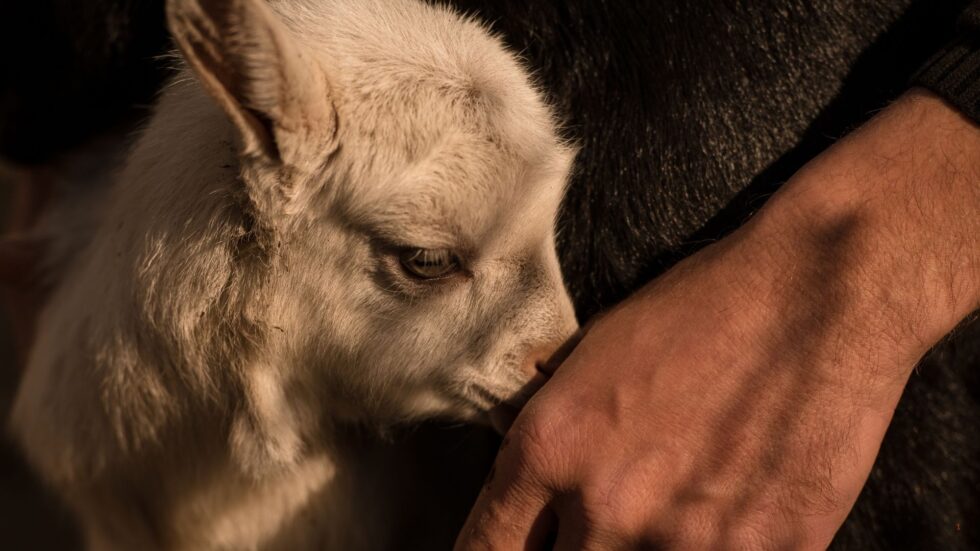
x=274, y=92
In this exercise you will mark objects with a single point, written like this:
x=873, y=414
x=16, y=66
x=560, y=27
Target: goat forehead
x=440, y=123
x=492, y=223
x=462, y=181
x=390, y=58
x=400, y=35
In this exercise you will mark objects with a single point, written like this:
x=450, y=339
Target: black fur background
x=689, y=114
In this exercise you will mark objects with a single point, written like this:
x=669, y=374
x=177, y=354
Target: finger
x=577, y=533
x=507, y=524
x=571, y=529
x=573, y=536
x=511, y=513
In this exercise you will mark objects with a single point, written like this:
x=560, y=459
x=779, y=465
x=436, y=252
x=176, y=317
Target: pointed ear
x=276, y=94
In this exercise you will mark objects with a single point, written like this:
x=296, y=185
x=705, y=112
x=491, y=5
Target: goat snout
x=538, y=366
x=555, y=354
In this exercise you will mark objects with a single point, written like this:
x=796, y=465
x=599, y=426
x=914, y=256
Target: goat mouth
x=485, y=398
x=489, y=408
x=501, y=411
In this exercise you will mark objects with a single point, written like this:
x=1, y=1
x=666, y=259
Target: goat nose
x=544, y=360
x=558, y=353
x=537, y=363
x=538, y=366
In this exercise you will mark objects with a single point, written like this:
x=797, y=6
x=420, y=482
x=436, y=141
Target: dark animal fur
x=690, y=114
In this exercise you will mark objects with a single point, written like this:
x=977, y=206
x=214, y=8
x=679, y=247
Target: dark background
x=30, y=516
x=69, y=70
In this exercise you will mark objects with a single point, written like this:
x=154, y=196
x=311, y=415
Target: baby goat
x=340, y=214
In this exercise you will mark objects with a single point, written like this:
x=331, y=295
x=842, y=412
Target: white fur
x=238, y=296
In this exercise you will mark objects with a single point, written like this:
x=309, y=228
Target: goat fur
x=235, y=300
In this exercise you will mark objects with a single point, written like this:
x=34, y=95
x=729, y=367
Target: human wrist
x=893, y=211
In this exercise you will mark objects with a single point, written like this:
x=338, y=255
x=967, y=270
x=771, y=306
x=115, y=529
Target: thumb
x=512, y=512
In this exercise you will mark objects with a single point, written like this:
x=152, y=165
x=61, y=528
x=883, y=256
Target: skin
x=739, y=401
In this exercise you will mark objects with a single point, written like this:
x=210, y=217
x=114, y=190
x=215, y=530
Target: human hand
x=739, y=401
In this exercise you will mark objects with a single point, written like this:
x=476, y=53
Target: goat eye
x=430, y=263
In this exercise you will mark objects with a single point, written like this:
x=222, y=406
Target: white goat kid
x=340, y=214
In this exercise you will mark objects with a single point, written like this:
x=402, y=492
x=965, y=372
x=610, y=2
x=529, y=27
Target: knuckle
x=706, y=528
x=608, y=514
x=683, y=533
x=604, y=515
x=535, y=442
x=772, y=532
x=610, y=528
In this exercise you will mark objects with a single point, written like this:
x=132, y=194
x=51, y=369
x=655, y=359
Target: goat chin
x=245, y=289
